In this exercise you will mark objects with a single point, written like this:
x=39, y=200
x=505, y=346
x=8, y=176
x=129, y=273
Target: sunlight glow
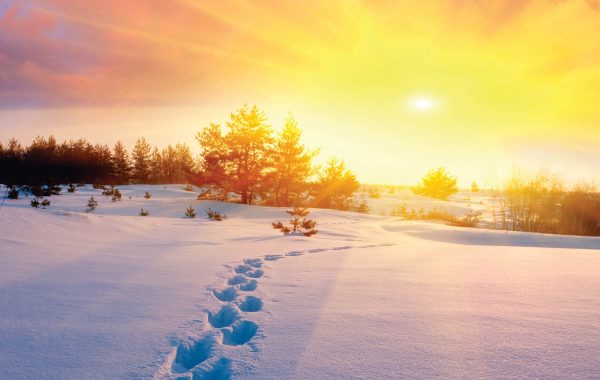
x=423, y=104
x=494, y=82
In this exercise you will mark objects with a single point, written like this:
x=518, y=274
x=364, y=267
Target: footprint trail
x=204, y=355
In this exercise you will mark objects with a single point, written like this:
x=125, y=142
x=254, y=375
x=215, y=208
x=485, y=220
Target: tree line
x=542, y=203
x=46, y=162
x=245, y=157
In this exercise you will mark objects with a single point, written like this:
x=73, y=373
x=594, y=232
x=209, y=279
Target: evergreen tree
x=121, y=165
x=141, y=160
x=116, y=195
x=335, y=186
x=297, y=226
x=437, y=183
x=185, y=163
x=92, y=204
x=236, y=161
x=157, y=164
x=190, y=212
x=169, y=163
x=35, y=202
x=291, y=167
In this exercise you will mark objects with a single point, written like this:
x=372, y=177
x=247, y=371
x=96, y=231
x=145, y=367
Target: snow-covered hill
x=111, y=294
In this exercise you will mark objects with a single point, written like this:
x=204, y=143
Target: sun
x=422, y=104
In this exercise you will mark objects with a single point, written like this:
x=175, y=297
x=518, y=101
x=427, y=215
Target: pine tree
x=116, y=195
x=335, y=186
x=141, y=160
x=303, y=227
x=215, y=215
x=121, y=165
x=185, y=163
x=190, y=212
x=291, y=167
x=92, y=204
x=237, y=161
x=437, y=183
x=157, y=167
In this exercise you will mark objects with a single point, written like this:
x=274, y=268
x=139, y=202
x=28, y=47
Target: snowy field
x=113, y=295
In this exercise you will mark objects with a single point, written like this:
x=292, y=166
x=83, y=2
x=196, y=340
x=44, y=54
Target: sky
x=393, y=88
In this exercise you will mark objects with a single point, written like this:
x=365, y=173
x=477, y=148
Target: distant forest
x=247, y=158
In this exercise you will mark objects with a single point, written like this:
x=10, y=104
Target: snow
x=111, y=294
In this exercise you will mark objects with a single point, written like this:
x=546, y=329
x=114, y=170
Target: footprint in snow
x=257, y=273
x=254, y=263
x=242, y=268
x=294, y=253
x=219, y=370
x=226, y=295
x=227, y=315
x=341, y=248
x=236, y=280
x=240, y=333
x=273, y=257
x=249, y=286
x=250, y=304
x=192, y=352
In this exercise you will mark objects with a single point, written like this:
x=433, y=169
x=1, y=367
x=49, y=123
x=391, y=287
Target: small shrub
x=190, y=212
x=98, y=186
x=45, y=203
x=188, y=188
x=108, y=191
x=116, y=195
x=215, y=215
x=45, y=190
x=304, y=227
x=13, y=193
x=147, y=195
x=92, y=204
x=144, y=212
x=72, y=188
x=35, y=202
